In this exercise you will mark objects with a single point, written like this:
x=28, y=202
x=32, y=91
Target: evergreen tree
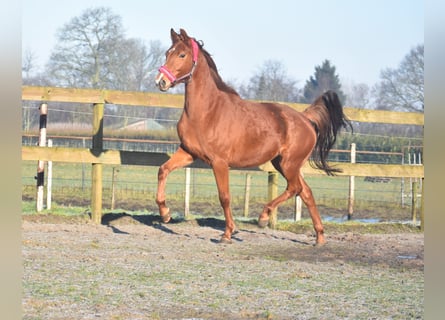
x=324, y=79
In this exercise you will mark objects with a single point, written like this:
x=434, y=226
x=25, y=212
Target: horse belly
x=257, y=139
x=253, y=153
x=286, y=131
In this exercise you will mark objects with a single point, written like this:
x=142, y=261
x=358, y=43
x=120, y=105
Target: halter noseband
x=171, y=77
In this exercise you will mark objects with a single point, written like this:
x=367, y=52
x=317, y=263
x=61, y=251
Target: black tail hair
x=326, y=112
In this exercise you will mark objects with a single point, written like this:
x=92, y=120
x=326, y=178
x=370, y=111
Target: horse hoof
x=166, y=218
x=225, y=240
x=320, y=240
x=263, y=223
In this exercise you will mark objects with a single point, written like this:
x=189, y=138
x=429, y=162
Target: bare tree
x=92, y=52
x=402, y=88
x=358, y=95
x=85, y=48
x=271, y=83
x=137, y=65
x=28, y=63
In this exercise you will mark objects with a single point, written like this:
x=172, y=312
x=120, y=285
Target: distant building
x=148, y=124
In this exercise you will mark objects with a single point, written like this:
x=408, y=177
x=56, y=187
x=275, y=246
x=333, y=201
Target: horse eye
x=182, y=55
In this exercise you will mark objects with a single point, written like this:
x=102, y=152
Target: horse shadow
x=247, y=226
x=218, y=225
x=114, y=220
x=111, y=220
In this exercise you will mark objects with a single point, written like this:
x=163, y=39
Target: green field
x=135, y=188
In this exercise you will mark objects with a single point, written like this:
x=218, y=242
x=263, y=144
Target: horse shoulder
x=187, y=133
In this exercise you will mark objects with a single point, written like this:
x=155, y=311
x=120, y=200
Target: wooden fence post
x=298, y=206
x=187, y=193
x=402, y=183
x=83, y=167
x=422, y=221
x=49, y=181
x=414, y=202
x=272, y=193
x=247, y=194
x=351, y=184
x=113, y=187
x=96, y=172
x=41, y=164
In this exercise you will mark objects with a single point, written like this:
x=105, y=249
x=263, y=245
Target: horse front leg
x=221, y=172
x=179, y=159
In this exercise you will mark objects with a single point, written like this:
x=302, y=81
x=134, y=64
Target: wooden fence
x=97, y=156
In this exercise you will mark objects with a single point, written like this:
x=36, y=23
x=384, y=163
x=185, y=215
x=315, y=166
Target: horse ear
x=184, y=34
x=174, y=35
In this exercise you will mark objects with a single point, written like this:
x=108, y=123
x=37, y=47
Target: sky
x=360, y=38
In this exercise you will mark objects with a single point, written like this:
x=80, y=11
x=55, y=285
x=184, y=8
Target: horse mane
x=221, y=85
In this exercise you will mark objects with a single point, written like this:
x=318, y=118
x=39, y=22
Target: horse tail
x=326, y=114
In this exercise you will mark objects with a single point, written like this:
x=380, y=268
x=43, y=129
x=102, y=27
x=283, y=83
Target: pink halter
x=171, y=77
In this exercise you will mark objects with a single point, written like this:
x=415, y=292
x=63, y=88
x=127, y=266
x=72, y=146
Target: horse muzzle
x=162, y=83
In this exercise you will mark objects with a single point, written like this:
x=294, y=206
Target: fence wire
x=133, y=188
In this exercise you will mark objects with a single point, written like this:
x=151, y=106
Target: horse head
x=180, y=61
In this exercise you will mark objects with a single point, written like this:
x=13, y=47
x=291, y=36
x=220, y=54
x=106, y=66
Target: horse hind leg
x=264, y=217
x=293, y=188
x=309, y=201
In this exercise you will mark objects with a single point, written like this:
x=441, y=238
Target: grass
x=29, y=208
x=305, y=226
x=59, y=214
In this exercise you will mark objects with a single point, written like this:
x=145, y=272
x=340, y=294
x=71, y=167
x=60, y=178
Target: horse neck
x=201, y=91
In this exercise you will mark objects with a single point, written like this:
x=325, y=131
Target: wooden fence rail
x=164, y=100
x=97, y=156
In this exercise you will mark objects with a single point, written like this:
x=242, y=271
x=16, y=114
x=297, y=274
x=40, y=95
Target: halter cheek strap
x=171, y=77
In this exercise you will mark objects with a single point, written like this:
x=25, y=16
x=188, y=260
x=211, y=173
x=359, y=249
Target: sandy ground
x=132, y=268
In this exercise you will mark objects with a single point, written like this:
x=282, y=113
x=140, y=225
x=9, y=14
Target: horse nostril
x=162, y=85
x=160, y=82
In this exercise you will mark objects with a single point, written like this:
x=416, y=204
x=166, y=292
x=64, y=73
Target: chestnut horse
x=220, y=128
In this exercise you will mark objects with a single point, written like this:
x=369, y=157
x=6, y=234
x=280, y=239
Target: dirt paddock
x=131, y=268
